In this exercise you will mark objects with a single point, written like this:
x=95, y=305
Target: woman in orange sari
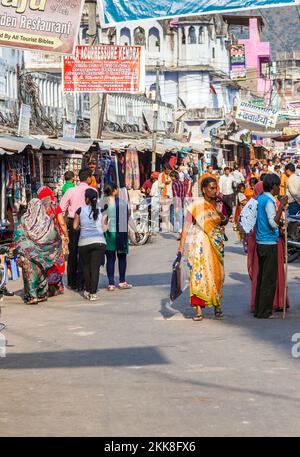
x=204, y=221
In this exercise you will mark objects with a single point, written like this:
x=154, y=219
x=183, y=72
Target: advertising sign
x=42, y=25
x=105, y=68
x=263, y=116
x=238, y=71
x=123, y=10
x=24, y=120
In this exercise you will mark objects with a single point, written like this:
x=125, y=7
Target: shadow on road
x=123, y=357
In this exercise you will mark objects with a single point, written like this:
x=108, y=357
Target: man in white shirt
x=293, y=189
x=226, y=184
x=238, y=176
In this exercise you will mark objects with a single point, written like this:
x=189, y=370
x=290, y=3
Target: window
x=154, y=40
x=213, y=53
x=183, y=39
x=264, y=65
x=201, y=35
x=192, y=35
x=139, y=37
x=125, y=37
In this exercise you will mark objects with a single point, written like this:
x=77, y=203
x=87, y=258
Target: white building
x=193, y=57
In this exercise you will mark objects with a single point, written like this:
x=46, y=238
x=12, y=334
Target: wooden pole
x=94, y=97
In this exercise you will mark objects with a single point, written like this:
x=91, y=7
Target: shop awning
x=16, y=145
x=78, y=145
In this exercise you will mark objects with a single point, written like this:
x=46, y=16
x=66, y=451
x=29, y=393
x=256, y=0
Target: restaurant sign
x=41, y=25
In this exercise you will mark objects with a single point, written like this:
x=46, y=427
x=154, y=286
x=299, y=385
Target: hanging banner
x=238, y=70
x=124, y=10
x=263, y=116
x=105, y=68
x=41, y=25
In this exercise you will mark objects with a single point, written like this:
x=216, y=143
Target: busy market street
x=113, y=367
x=149, y=222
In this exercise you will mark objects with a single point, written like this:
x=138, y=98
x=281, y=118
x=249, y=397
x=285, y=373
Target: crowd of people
x=91, y=230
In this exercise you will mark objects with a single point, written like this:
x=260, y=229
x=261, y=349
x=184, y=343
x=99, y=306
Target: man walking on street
x=267, y=236
x=293, y=189
x=70, y=203
x=227, y=187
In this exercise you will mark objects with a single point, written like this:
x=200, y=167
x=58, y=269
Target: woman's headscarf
x=258, y=190
x=36, y=223
x=36, y=236
x=46, y=192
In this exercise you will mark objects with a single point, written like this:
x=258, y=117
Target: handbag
x=176, y=286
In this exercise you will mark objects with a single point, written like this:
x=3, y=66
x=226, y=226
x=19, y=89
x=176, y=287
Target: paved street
x=130, y=365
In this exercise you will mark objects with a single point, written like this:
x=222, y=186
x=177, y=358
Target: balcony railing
x=204, y=114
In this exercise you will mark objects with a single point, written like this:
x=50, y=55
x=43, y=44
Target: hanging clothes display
x=132, y=169
x=54, y=167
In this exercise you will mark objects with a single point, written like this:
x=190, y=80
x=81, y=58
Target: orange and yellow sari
x=206, y=254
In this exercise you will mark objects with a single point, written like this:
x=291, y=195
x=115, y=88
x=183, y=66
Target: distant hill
x=282, y=27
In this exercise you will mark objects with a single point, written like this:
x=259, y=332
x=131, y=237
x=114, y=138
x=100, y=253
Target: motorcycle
x=142, y=220
x=293, y=238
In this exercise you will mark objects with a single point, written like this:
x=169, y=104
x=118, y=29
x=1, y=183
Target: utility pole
x=155, y=118
x=94, y=97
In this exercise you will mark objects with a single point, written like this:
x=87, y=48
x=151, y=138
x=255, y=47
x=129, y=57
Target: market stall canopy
x=115, y=11
x=276, y=136
x=15, y=145
x=79, y=145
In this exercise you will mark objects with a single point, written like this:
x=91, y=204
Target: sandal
x=111, y=288
x=198, y=318
x=32, y=302
x=219, y=315
x=125, y=286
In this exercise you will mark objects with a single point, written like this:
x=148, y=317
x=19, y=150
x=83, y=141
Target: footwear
x=86, y=295
x=125, y=286
x=198, y=318
x=32, y=302
x=111, y=288
x=7, y=293
x=219, y=315
x=93, y=297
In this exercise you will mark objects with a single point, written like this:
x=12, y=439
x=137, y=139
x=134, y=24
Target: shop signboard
x=238, y=70
x=105, y=68
x=43, y=25
x=115, y=11
x=263, y=116
x=24, y=120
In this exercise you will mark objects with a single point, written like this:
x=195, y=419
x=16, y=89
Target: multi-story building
x=247, y=29
x=192, y=54
x=288, y=76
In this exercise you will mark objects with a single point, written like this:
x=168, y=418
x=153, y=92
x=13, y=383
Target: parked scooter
x=293, y=238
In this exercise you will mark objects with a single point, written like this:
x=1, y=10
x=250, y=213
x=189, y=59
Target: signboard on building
x=123, y=10
x=70, y=104
x=105, y=68
x=24, y=120
x=69, y=131
x=263, y=116
x=238, y=70
x=43, y=25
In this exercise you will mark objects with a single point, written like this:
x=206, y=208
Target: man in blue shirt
x=267, y=236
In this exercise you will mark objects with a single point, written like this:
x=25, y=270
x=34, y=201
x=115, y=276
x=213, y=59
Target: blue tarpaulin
x=133, y=10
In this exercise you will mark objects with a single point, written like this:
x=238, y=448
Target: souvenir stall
x=21, y=176
x=62, y=155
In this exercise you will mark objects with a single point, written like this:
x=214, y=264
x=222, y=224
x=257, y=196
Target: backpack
x=248, y=216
